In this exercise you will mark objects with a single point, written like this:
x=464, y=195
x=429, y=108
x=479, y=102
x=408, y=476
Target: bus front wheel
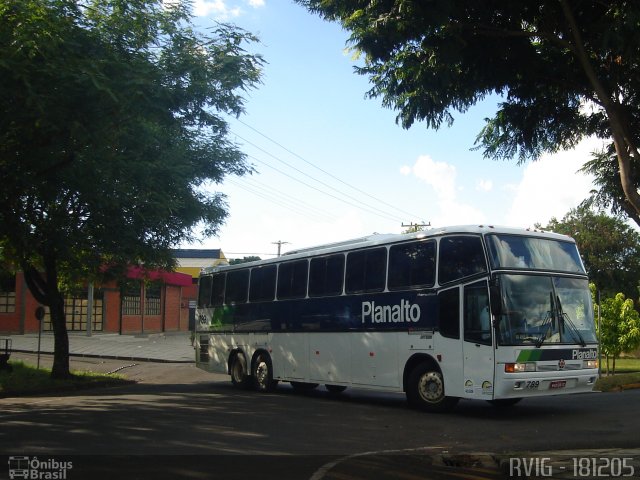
x=263, y=373
x=425, y=390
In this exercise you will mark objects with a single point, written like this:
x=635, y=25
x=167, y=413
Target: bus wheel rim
x=431, y=387
x=262, y=372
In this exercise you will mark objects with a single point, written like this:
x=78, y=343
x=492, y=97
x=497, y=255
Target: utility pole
x=279, y=243
x=415, y=227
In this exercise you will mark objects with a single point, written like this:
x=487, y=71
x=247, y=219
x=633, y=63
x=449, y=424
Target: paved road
x=177, y=409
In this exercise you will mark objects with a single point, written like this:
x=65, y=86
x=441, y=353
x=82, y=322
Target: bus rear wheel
x=263, y=373
x=425, y=390
x=239, y=374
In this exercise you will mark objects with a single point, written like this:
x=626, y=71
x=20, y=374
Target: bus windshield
x=545, y=310
x=533, y=253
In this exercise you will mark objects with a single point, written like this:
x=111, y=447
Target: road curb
x=111, y=357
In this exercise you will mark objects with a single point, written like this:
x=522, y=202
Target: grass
x=623, y=365
x=28, y=380
x=627, y=375
x=617, y=382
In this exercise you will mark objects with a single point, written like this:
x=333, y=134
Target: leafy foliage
x=236, y=261
x=619, y=327
x=564, y=70
x=112, y=135
x=610, y=249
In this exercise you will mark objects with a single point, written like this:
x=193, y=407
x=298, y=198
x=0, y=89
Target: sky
x=331, y=164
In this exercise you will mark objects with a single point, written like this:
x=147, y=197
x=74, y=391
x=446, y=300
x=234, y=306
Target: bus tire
x=240, y=377
x=263, y=373
x=425, y=390
x=335, y=388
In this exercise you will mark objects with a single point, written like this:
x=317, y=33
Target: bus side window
x=217, y=290
x=326, y=275
x=262, y=286
x=204, y=291
x=292, y=279
x=412, y=265
x=477, y=323
x=449, y=313
x=366, y=270
x=460, y=256
x=237, y=286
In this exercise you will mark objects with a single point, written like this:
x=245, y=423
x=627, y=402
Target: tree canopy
x=112, y=136
x=609, y=248
x=563, y=69
x=619, y=327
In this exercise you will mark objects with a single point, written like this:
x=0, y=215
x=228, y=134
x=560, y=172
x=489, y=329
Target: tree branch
x=626, y=149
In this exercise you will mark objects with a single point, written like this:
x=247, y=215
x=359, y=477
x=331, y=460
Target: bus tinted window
x=204, y=291
x=237, y=286
x=366, y=270
x=513, y=251
x=477, y=319
x=326, y=275
x=449, y=313
x=217, y=290
x=412, y=265
x=262, y=286
x=292, y=279
x=460, y=257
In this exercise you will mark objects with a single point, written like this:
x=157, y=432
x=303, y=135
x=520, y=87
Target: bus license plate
x=558, y=384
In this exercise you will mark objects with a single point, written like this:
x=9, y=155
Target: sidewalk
x=163, y=347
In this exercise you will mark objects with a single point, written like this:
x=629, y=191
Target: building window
x=152, y=296
x=131, y=297
x=7, y=293
x=76, y=309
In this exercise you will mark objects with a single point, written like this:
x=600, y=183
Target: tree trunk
x=60, y=367
x=613, y=370
x=46, y=291
x=619, y=122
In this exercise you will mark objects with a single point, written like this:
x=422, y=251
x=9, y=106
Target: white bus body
x=463, y=312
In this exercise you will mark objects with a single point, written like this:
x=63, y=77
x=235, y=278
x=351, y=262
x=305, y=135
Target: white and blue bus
x=474, y=312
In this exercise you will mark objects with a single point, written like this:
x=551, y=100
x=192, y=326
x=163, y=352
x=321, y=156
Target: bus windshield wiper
x=547, y=322
x=572, y=327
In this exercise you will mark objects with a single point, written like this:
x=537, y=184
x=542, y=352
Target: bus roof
x=388, y=238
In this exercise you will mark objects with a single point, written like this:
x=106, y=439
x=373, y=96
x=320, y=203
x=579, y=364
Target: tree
x=111, y=137
x=564, y=69
x=608, y=193
x=609, y=248
x=619, y=328
x=237, y=261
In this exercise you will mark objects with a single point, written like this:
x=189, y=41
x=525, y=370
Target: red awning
x=170, y=278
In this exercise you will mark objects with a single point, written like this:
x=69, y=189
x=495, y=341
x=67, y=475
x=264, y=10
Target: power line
x=373, y=212
x=412, y=215
x=295, y=205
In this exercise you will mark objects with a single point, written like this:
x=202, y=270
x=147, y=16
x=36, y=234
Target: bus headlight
x=519, y=367
x=590, y=364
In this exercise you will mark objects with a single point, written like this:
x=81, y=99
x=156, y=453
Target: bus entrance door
x=477, y=346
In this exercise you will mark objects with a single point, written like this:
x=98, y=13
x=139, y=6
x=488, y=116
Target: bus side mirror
x=495, y=300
